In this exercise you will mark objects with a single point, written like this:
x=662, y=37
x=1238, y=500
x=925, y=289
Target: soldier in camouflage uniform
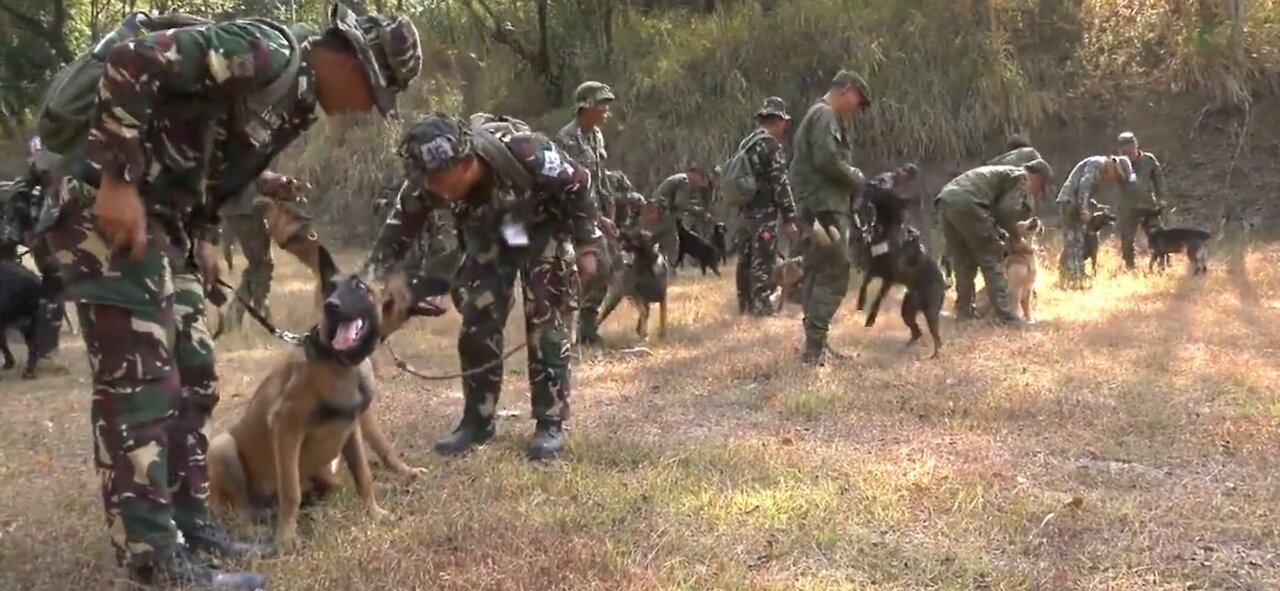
x=628, y=204
x=136, y=212
x=677, y=197
x=244, y=223
x=518, y=200
x=825, y=181
x=759, y=217
x=979, y=210
x=1018, y=153
x=582, y=140
x=1140, y=198
x=1081, y=186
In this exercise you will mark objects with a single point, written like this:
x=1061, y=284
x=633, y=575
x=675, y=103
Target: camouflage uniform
x=1141, y=197
x=979, y=209
x=824, y=180
x=1081, y=185
x=151, y=356
x=244, y=223
x=586, y=147
x=627, y=203
x=1016, y=157
x=759, y=217
x=535, y=195
x=671, y=196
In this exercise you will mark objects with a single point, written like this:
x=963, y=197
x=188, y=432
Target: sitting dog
x=1101, y=219
x=719, y=239
x=693, y=245
x=907, y=264
x=1021, y=264
x=1163, y=242
x=25, y=306
x=641, y=278
x=314, y=406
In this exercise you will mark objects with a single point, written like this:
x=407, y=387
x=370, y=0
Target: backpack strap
x=498, y=156
x=268, y=96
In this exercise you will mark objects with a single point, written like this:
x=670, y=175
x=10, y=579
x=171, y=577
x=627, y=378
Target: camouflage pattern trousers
x=827, y=269
x=249, y=230
x=758, y=254
x=1071, y=263
x=154, y=380
x=1128, y=224
x=593, y=292
x=484, y=294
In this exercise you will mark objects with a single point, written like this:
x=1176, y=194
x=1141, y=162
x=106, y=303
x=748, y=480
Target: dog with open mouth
x=314, y=406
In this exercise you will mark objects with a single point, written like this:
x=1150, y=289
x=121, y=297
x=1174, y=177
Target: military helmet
x=437, y=141
x=773, y=107
x=1039, y=167
x=591, y=94
x=851, y=79
x=388, y=47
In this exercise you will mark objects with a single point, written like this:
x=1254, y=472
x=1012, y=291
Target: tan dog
x=1021, y=265
x=314, y=407
x=787, y=274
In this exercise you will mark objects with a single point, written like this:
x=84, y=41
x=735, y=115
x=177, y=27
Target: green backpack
x=737, y=179
x=68, y=104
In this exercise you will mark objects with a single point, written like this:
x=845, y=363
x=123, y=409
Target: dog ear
x=327, y=267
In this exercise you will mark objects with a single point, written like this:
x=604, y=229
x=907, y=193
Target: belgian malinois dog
x=314, y=406
x=642, y=278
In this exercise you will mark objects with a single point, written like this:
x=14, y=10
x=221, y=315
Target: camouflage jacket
x=558, y=208
x=677, y=195
x=822, y=171
x=586, y=147
x=1001, y=190
x=1085, y=181
x=186, y=166
x=1015, y=157
x=1148, y=189
x=773, y=188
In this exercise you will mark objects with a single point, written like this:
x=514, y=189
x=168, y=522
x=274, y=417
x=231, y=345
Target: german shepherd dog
x=1163, y=242
x=693, y=245
x=642, y=278
x=314, y=407
x=911, y=266
x=1021, y=265
x=1101, y=219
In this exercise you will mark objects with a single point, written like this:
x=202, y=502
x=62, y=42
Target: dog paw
x=413, y=472
x=378, y=513
x=28, y=375
x=287, y=542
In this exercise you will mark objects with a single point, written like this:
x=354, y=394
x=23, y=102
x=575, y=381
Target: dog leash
x=411, y=370
x=289, y=337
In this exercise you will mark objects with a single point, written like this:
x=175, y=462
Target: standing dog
x=908, y=265
x=1163, y=242
x=25, y=307
x=313, y=407
x=693, y=245
x=1101, y=219
x=1021, y=265
x=719, y=239
x=641, y=278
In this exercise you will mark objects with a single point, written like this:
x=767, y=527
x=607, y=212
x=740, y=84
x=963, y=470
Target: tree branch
x=53, y=35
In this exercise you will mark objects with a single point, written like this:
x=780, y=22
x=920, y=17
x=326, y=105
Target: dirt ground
x=1127, y=441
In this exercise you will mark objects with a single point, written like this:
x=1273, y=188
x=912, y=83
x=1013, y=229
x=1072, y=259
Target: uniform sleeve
x=1157, y=180
x=826, y=152
x=770, y=162
x=410, y=215
x=223, y=62
x=558, y=174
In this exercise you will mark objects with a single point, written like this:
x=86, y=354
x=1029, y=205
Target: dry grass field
x=1128, y=441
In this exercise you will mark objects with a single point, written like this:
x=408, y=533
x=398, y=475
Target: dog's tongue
x=348, y=334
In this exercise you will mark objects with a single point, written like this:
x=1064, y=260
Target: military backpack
x=738, y=180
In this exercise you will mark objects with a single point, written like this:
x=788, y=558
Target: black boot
x=210, y=540
x=184, y=570
x=548, y=440
x=815, y=347
x=468, y=435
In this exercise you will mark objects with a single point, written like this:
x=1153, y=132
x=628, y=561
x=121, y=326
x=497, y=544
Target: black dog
x=1100, y=220
x=693, y=245
x=25, y=306
x=1163, y=242
x=911, y=266
x=719, y=239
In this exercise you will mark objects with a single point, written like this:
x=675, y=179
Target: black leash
x=404, y=365
x=289, y=337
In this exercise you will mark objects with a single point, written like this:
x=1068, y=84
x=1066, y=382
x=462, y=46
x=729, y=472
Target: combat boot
x=548, y=440
x=588, y=329
x=815, y=347
x=211, y=540
x=184, y=570
x=469, y=434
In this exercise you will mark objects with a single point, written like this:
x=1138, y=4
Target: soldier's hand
x=790, y=230
x=586, y=263
x=122, y=221
x=207, y=258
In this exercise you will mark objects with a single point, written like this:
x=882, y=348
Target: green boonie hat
x=773, y=107
x=849, y=78
x=591, y=94
x=388, y=48
x=435, y=142
x=1127, y=139
x=1039, y=167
